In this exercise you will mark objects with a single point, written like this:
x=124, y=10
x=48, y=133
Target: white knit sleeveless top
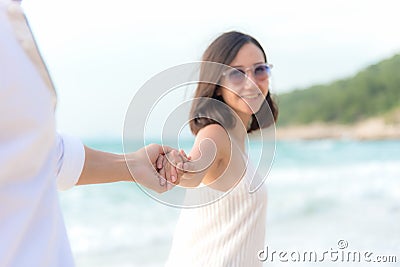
x=228, y=232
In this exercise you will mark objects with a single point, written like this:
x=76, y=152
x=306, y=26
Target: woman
x=228, y=231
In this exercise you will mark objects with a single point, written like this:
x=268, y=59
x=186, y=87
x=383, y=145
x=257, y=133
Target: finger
x=179, y=168
x=153, y=151
x=167, y=167
x=161, y=178
x=183, y=154
x=174, y=174
x=161, y=188
x=162, y=172
x=174, y=157
x=179, y=172
x=162, y=181
x=188, y=166
x=182, y=157
x=166, y=149
x=160, y=161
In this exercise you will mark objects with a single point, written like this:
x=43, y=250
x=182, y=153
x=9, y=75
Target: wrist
x=129, y=165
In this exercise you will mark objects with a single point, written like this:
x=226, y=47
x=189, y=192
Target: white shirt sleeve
x=71, y=158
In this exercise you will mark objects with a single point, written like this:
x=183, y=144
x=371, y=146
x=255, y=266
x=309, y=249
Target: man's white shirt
x=34, y=159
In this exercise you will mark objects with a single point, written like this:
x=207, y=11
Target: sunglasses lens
x=262, y=72
x=236, y=76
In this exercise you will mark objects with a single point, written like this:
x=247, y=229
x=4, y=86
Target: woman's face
x=244, y=94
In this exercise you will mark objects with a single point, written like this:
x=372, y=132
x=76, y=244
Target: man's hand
x=143, y=167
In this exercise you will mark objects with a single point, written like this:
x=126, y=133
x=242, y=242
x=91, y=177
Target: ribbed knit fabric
x=228, y=232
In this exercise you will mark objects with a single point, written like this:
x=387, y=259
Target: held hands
x=172, y=166
x=157, y=167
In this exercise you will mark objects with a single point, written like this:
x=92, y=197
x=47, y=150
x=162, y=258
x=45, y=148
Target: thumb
x=188, y=166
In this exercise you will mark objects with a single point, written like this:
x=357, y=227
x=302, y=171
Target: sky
x=101, y=52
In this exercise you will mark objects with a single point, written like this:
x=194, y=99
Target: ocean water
x=322, y=194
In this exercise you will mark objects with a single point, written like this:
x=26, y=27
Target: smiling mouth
x=252, y=96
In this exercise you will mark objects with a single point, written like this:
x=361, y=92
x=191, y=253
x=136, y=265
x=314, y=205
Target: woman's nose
x=250, y=80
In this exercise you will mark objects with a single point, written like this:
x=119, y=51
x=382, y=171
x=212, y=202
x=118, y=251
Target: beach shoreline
x=371, y=129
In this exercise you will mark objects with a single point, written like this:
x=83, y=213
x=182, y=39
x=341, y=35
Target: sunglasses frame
x=245, y=72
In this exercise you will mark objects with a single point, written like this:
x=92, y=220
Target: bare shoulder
x=218, y=135
x=215, y=132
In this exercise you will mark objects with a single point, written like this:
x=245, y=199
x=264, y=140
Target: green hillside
x=373, y=91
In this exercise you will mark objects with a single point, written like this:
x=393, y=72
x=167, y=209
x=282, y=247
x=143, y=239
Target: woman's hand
x=171, y=166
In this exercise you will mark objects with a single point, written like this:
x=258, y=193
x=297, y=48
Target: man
x=34, y=159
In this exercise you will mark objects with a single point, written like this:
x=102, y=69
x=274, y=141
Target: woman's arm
x=208, y=155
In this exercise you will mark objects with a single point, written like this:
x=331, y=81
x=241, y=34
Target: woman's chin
x=253, y=108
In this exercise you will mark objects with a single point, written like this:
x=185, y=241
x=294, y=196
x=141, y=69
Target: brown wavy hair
x=210, y=111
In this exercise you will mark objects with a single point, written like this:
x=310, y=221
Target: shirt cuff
x=71, y=161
